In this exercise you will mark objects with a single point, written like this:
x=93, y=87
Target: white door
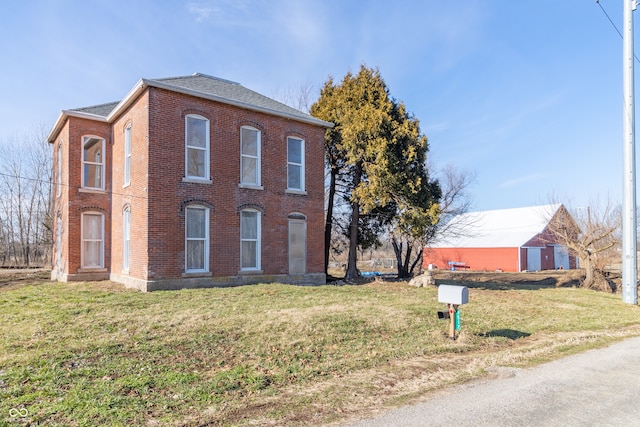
x=297, y=247
x=561, y=257
x=534, y=259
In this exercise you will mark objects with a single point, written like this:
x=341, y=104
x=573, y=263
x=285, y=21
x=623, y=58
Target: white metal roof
x=505, y=228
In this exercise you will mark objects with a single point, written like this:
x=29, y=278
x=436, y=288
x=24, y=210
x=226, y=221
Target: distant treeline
x=25, y=201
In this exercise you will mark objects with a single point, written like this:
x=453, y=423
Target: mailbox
x=450, y=294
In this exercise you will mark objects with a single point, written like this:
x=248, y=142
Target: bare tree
x=299, y=98
x=591, y=233
x=456, y=199
x=25, y=186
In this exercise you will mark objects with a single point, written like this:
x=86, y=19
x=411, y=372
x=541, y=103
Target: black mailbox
x=442, y=315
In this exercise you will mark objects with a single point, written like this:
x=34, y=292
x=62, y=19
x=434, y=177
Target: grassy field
x=87, y=354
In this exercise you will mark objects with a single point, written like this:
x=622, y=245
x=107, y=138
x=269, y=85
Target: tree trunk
x=397, y=249
x=407, y=258
x=352, y=269
x=589, y=273
x=328, y=225
x=405, y=266
x=416, y=261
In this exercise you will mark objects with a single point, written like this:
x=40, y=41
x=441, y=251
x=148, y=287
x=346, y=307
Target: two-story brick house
x=189, y=181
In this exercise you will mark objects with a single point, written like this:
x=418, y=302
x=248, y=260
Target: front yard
x=97, y=354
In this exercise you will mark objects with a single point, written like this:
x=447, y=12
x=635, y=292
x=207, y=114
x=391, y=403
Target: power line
x=614, y=26
x=71, y=187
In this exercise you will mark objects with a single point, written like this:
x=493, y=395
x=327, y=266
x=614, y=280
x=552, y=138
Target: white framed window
x=196, y=147
x=92, y=254
x=196, y=239
x=250, y=239
x=295, y=164
x=127, y=155
x=93, y=162
x=59, y=170
x=250, y=156
x=126, y=237
x=59, y=242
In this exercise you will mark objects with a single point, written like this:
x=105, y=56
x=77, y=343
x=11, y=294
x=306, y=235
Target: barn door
x=534, y=259
x=561, y=256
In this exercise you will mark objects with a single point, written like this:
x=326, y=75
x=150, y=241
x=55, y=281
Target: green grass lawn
x=87, y=354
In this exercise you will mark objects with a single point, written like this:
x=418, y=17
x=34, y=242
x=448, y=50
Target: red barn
x=508, y=240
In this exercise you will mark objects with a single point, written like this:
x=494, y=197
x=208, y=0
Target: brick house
x=189, y=181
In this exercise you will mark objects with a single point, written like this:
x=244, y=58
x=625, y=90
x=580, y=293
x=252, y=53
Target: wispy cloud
x=436, y=126
x=225, y=11
x=515, y=182
x=202, y=11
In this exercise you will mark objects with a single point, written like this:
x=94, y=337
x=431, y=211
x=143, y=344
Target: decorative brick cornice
x=251, y=206
x=91, y=209
x=197, y=202
x=297, y=215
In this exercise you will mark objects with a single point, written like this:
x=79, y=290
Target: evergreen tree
x=377, y=149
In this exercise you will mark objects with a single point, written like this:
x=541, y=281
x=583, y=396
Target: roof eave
x=128, y=99
x=211, y=97
x=62, y=118
x=144, y=83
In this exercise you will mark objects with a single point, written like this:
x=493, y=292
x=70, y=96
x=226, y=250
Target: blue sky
x=527, y=95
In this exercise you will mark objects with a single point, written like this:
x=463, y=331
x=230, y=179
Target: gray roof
x=226, y=90
x=217, y=89
x=101, y=110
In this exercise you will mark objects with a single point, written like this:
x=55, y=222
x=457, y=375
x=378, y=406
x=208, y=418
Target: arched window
x=127, y=154
x=196, y=239
x=93, y=162
x=59, y=170
x=250, y=239
x=196, y=147
x=295, y=164
x=92, y=255
x=59, y=242
x=249, y=156
x=126, y=238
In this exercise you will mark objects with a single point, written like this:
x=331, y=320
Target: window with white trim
x=196, y=239
x=127, y=155
x=126, y=237
x=93, y=162
x=295, y=164
x=59, y=242
x=249, y=156
x=59, y=170
x=92, y=254
x=250, y=239
x=196, y=147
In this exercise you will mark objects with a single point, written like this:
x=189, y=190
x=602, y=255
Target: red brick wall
x=75, y=200
x=60, y=200
x=168, y=193
x=158, y=195
x=133, y=195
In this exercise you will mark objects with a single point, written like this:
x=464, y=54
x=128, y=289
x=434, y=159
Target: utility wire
x=614, y=25
x=71, y=187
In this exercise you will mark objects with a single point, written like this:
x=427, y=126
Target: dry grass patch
x=96, y=354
